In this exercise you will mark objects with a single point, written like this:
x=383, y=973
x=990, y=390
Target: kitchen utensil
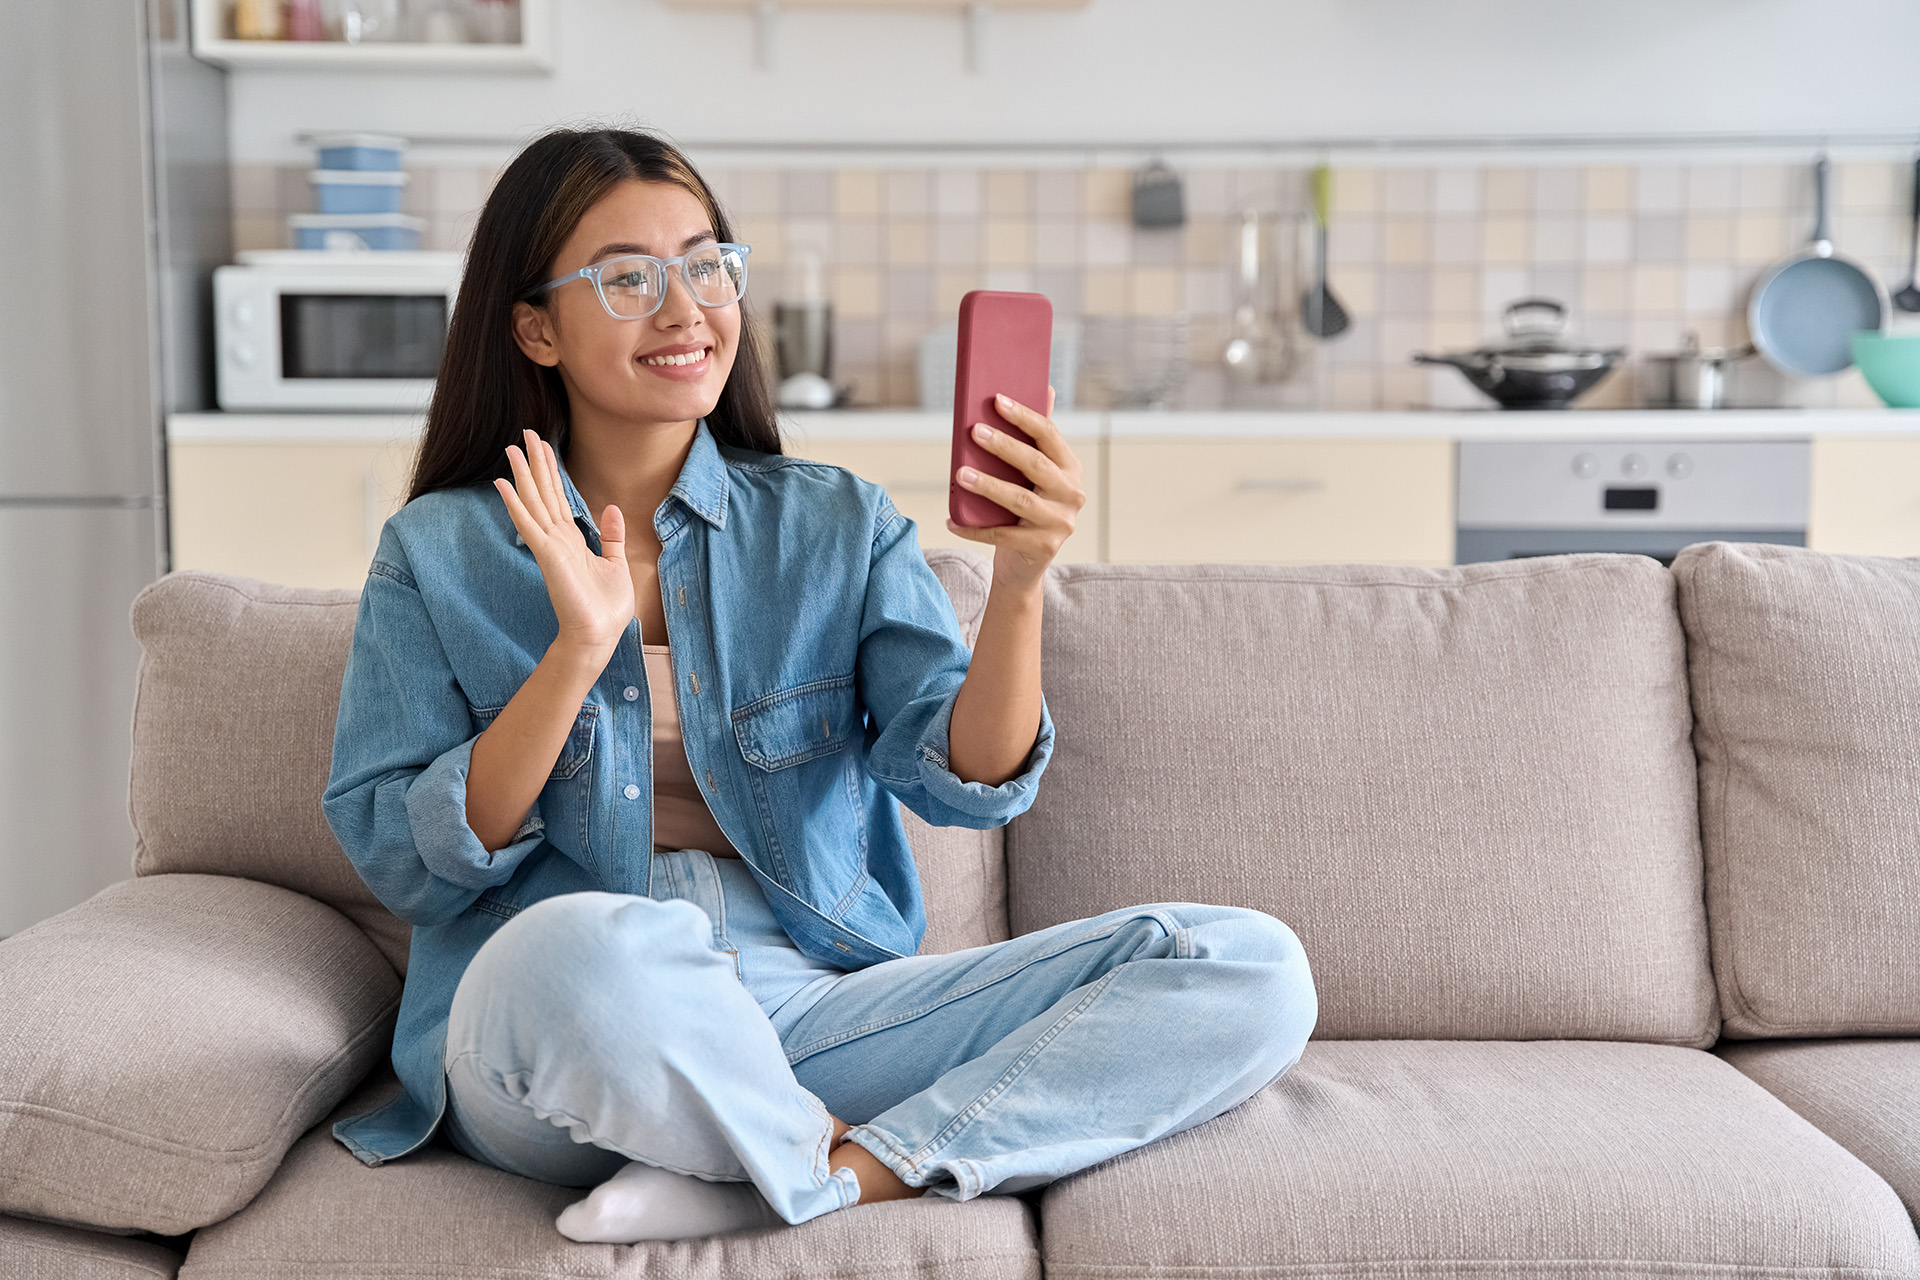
x=1533, y=368
x=1694, y=377
x=1259, y=347
x=1890, y=362
x=1134, y=362
x=1907, y=297
x=803, y=337
x=1805, y=309
x=1320, y=311
x=1157, y=197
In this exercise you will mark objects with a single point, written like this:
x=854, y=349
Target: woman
x=622, y=732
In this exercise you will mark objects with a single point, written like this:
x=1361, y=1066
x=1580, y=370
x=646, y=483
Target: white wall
x=1128, y=71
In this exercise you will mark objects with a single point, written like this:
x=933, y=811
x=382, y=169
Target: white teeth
x=692, y=357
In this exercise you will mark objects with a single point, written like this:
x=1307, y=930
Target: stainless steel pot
x=1694, y=377
x=1534, y=368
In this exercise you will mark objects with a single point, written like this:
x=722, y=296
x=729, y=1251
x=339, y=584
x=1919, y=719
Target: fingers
x=1026, y=459
x=613, y=534
x=546, y=473
x=1020, y=501
x=1046, y=436
x=530, y=531
x=530, y=497
x=990, y=535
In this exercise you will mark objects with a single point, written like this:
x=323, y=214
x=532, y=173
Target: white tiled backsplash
x=1423, y=258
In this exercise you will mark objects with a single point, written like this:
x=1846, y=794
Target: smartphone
x=1006, y=342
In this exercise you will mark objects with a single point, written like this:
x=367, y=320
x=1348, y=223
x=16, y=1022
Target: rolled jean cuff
x=889, y=1152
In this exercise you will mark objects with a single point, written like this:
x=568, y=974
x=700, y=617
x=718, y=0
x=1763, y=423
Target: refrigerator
x=114, y=208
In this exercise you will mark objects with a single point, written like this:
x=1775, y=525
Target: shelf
x=533, y=54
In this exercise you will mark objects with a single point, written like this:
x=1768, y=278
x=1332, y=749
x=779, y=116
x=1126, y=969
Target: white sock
x=645, y=1202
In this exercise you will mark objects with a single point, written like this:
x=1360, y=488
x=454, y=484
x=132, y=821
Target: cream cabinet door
x=1865, y=495
x=914, y=474
x=299, y=513
x=1280, y=501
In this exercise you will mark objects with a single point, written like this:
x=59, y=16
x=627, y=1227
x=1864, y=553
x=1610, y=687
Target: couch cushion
x=1806, y=689
x=233, y=738
x=438, y=1214
x=42, y=1249
x=1481, y=1159
x=169, y=1038
x=1864, y=1094
x=1470, y=791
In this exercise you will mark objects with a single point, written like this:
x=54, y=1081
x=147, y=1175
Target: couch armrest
x=166, y=1041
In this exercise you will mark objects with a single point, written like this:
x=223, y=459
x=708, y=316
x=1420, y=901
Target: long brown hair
x=488, y=390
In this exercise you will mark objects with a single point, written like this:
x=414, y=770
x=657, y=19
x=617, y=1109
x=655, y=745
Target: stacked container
x=358, y=187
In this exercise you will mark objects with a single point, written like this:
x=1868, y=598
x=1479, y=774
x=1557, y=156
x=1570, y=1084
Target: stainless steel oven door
x=1648, y=497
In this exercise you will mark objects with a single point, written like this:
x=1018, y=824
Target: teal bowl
x=1891, y=363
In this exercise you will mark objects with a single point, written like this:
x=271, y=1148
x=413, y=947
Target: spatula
x=1321, y=312
x=1908, y=299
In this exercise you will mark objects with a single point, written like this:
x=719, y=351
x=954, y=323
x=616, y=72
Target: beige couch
x=1610, y=877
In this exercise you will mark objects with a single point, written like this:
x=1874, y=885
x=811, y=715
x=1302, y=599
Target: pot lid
x=1536, y=327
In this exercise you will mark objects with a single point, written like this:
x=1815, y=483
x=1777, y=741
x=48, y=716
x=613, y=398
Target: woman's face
x=619, y=367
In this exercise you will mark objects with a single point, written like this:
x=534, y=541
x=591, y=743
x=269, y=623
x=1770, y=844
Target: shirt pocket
x=799, y=724
x=577, y=750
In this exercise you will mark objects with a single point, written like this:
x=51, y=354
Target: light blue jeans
x=688, y=1032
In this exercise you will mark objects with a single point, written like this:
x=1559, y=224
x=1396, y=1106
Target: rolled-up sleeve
x=912, y=663
x=396, y=796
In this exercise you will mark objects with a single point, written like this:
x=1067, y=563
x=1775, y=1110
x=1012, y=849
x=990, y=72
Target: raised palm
x=592, y=594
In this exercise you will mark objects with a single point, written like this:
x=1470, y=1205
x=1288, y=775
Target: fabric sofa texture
x=1477, y=794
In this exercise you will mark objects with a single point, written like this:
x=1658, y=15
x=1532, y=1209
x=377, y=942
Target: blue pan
x=1804, y=311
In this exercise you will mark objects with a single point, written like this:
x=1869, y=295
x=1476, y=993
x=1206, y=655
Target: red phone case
x=1006, y=340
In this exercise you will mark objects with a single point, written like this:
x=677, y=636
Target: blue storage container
x=355, y=231
x=371, y=152
x=357, y=190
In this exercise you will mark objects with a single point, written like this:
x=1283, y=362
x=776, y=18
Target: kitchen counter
x=891, y=424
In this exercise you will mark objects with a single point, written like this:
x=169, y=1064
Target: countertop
x=890, y=424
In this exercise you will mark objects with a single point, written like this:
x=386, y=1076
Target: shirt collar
x=702, y=487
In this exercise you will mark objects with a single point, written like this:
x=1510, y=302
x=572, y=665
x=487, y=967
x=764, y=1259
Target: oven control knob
x=1679, y=466
x=1586, y=466
x=242, y=354
x=240, y=311
x=1633, y=466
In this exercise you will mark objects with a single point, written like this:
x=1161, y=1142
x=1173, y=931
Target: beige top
x=681, y=819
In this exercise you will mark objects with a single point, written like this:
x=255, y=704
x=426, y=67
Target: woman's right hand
x=592, y=594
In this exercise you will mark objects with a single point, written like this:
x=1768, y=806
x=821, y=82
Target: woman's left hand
x=1022, y=551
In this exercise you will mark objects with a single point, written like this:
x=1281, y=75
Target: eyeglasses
x=634, y=286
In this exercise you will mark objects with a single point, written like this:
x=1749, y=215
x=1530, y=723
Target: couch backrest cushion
x=1806, y=693
x=233, y=737
x=1469, y=791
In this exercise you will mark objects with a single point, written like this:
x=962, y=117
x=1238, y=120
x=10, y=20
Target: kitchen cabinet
x=213, y=42
x=1865, y=495
x=1289, y=501
x=914, y=474
x=298, y=512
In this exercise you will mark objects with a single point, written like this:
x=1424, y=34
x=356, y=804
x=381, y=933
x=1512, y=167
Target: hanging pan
x=1804, y=311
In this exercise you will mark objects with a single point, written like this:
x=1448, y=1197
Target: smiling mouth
x=684, y=358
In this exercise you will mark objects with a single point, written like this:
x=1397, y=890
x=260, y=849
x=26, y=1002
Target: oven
x=311, y=329
x=1520, y=498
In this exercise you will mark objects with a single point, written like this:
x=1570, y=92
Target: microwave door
x=361, y=335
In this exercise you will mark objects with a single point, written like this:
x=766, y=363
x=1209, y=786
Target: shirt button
x=630, y=693
x=632, y=792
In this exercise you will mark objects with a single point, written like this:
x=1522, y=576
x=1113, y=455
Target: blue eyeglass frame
x=593, y=270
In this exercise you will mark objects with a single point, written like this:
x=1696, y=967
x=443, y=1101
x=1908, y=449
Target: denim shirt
x=816, y=659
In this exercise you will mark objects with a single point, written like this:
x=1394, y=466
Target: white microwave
x=320, y=329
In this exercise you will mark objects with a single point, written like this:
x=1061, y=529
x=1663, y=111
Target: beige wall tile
x=1505, y=241
x=1769, y=187
x=1356, y=191
x=1455, y=334
x=1211, y=240
x=1709, y=236
x=951, y=286
x=259, y=231
x=768, y=237
x=1356, y=288
x=1558, y=239
x=856, y=292
x=1609, y=189
x=1107, y=193
x=1407, y=241
x=1010, y=192
x=909, y=241
x=1507, y=190
x=1056, y=242
x=856, y=193
x=1155, y=291
x=857, y=241
x=1105, y=242
x=1456, y=293
x=1655, y=289
x=1355, y=389
x=1009, y=242
x=1106, y=291
x=756, y=193
x=1605, y=289
x=909, y=193
x=1870, y=184
x=1759, y=237
x=255, y=188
